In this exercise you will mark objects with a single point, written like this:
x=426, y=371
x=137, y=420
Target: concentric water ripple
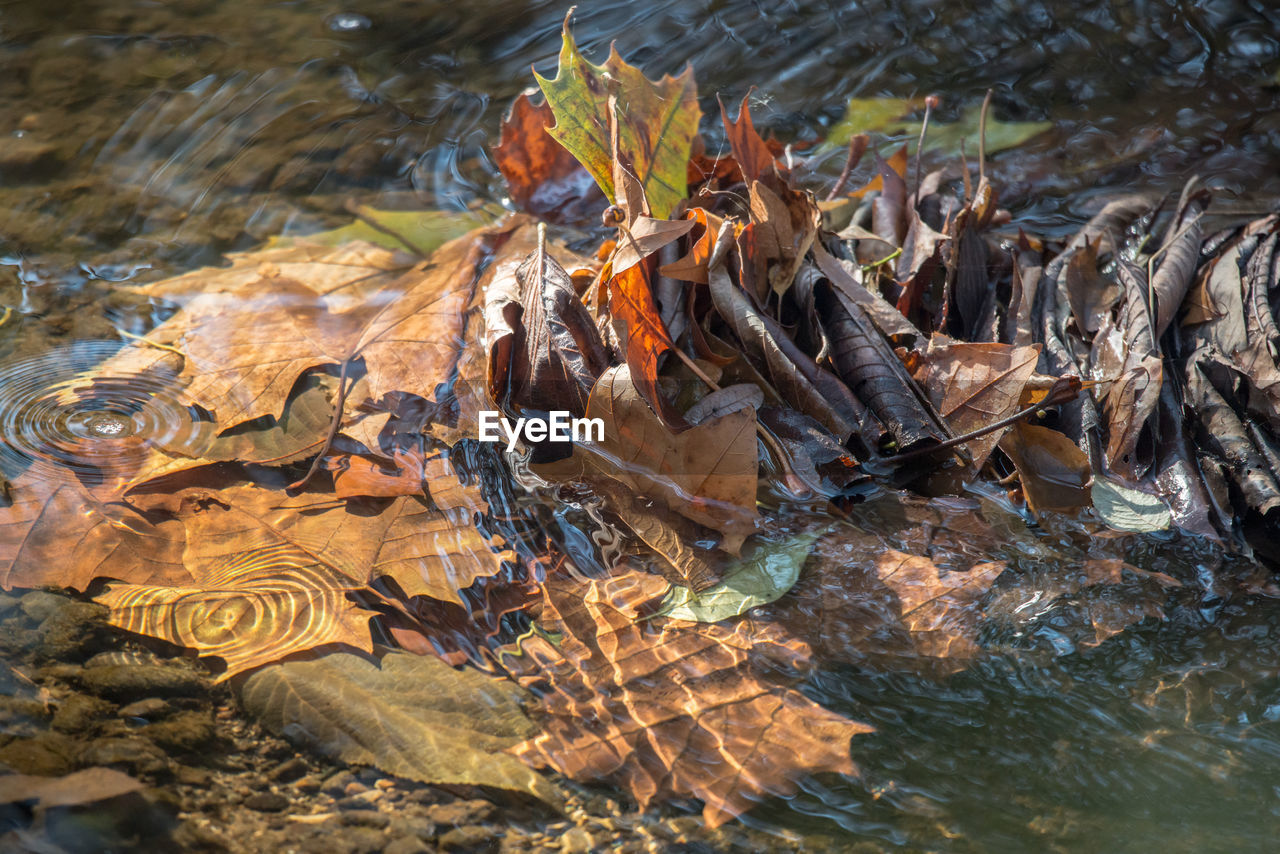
x=58, y=420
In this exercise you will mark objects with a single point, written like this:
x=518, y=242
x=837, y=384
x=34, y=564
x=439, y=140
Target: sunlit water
x=145, y=139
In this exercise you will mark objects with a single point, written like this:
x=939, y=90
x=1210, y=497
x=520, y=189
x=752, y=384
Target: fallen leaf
x=542, y=176
x=793, y=373
x=82, y=787
x=411, y=716
x=974, y=385
x=706, y=473
x=1181, y=253
x=749, y=151
x=869, y=115
x=243, y=352
x=655, y=123
x=251, y=608
x=867, y=364
x=764, y=573
x=645, y=236
x=1091, y=296
x=418, y=232
x=665, y=707
x=692, y=266
x=65, y=535
x=644, y=335
x=1053, y=470
x=544, y=351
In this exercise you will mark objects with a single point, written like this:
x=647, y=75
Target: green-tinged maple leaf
x=413, y=716
x=888, y=116
x=656, y=122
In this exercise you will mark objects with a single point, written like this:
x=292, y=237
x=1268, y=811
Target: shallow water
x=146, y=139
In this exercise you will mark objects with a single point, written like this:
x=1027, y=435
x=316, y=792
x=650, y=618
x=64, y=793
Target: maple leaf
x=706, y=473
x=655, y=123
x=61, y=533
x=665, y=707
x=973, y=385
x=250, y=608
x=543, y=177
x=243, y=349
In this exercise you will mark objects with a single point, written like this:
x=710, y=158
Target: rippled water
x=144, y=139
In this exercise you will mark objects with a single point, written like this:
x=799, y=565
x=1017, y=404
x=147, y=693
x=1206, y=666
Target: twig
x=982, y=137
x=1063, y=390
x=857, y=148
x=929, y=103
x=334, y=425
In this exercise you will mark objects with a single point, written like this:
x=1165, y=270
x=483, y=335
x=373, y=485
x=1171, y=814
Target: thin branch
x=1063, y=390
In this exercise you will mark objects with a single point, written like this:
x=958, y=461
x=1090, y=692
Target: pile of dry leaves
x=289, y=463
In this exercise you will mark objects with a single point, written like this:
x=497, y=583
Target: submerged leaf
x=666, y=707
x=1128, y=509
x=412, y=716
x=255, y=607
x=762, y=575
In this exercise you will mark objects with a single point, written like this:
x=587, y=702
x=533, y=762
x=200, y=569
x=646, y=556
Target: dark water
x=143, y=139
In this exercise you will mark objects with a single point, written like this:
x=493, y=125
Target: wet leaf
x=82, y=787
x=417, y=232
x=249, y=609
x=1181, y=253
x=542, y=176
x=706, y=473
x=644, y=335
x=544, y=351
x=868, y=115
x=887, y=115
x=655, y=123
x=749, y=150
x=1127, y=509
x=1053, y=470
x=692, y=267
x=764, y=573
x=646, y=236
x=797, y=378
x=411, y=716
x=974, y=385
x=65, y=535
x=676, y=708
x=1091, y=296
x=244, y=350
x=872, y=371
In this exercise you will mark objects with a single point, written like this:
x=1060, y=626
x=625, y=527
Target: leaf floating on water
x=251, y=609
x=764, y=574
x=656, y=122
x=1127, y=509
x=887, y=115
x=666, y=707
x=412, y=716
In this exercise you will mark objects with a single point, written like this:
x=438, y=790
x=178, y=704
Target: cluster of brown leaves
x=745, y=348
